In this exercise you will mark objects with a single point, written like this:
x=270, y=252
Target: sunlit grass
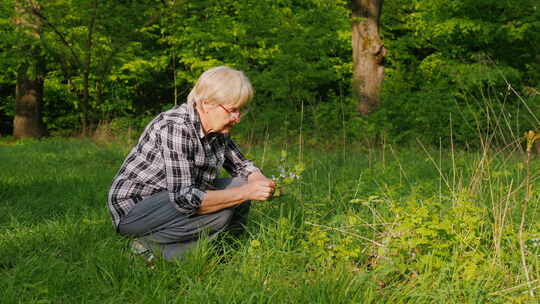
x=330, y=239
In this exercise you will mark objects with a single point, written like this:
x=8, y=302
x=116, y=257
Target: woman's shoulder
x=177, y=116
x=179, y=113
x=177, y=120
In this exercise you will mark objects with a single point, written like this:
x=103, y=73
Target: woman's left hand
x=258, y=176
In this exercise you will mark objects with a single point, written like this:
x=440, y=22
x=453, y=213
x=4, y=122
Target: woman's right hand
x=259, y=190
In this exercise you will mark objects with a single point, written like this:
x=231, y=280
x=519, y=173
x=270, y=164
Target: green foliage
x=85, y=45
x=329, y=248
x=288, y=174
x=288, y=49
x=367, y=226
x=456, y=60
x=449, y=66
x=428, y=235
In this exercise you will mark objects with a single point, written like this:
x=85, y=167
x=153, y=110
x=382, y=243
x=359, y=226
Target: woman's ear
x=204, y=106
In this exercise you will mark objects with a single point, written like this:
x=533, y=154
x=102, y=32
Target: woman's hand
x=259, y=190
x=259, y=187
x=258, y=176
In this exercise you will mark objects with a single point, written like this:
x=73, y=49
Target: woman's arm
x=216, y=200
x=178, y=154
x=235, y=162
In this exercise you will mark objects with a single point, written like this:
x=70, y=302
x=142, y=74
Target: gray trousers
x=161, y=227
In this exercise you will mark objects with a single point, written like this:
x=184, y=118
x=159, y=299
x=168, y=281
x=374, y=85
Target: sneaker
x=138, y=248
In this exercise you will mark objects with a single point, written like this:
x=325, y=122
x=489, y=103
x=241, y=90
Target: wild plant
x=427, y=235
x=288, y=174
x=530, y=138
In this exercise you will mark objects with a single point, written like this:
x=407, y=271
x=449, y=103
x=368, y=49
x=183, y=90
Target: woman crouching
x=167, y=192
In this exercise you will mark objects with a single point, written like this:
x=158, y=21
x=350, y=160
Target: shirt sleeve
x=235, y=162
x=178, y=154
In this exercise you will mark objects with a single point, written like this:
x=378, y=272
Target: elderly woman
x=166, y=194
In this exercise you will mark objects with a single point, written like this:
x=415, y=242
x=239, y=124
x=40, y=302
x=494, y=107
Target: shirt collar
x=194, y=115
x=196, y=119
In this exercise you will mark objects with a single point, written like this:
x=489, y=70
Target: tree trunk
x=28, y=122
x=85, y=102
x=368, y=54
x=85, y=105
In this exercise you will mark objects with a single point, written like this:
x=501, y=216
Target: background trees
x=368, y=53
x=459, y=60
x=106, y=60
x=77, y=44
x=29, y=71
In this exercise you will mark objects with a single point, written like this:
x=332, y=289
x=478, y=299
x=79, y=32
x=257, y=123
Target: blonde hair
x=222, y=85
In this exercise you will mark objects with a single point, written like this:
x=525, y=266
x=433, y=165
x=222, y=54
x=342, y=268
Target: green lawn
x=378, y=225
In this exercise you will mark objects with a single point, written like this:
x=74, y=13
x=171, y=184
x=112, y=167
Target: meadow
x=363, y=224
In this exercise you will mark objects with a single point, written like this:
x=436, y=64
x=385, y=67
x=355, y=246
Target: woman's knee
x=221, y=219
x=150, y=214
x=131, y=229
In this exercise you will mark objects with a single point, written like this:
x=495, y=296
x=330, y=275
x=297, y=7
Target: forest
x=446, y=65
x=403, y=135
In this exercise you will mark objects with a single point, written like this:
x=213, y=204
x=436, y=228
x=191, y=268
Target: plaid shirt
x=173, y=154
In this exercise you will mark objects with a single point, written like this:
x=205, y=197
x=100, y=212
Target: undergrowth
x=381, y=224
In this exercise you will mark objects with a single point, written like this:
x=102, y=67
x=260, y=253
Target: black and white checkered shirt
x=173, y=154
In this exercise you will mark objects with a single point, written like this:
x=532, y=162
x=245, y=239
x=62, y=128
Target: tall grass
x=330, y=239
x=396, y=224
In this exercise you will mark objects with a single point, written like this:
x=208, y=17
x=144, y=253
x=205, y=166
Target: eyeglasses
x=237, y=113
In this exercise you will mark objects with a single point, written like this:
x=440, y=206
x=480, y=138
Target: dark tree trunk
x=85, y=105
x=85, y=102
x=28, y=121
x=368, y=54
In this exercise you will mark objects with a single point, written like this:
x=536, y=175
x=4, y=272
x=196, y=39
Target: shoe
x=138, y=248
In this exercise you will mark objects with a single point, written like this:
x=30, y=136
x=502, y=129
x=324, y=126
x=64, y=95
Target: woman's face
x=220, y=118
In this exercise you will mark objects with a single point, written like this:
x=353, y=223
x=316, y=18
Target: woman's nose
x=236, y=117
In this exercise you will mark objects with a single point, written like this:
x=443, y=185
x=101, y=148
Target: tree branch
x=63, y=40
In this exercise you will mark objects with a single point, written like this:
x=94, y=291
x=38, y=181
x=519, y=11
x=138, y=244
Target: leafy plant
x=428, y=234
x=287, y=175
